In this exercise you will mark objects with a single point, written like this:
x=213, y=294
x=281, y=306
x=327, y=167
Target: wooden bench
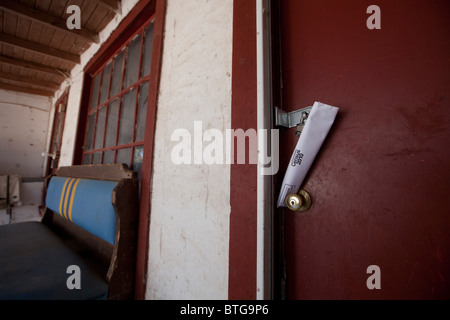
x=90, y=222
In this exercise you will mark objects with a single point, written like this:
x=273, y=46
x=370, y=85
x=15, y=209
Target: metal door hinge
x=292, y=119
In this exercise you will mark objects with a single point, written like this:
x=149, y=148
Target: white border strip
x=263, y=187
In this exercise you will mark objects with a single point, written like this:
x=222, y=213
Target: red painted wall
x=242, y=263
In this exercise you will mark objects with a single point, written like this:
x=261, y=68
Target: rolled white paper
x=316, y=129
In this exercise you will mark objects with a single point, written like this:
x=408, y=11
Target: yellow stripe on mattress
x=72, y=196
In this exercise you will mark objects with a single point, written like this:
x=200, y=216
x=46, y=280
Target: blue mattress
x=33, y=266
x=87, y=203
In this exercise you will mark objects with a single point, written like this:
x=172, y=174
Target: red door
x=381, y=182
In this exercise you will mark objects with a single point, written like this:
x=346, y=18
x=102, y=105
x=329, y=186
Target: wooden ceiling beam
x=28, y=80
x=46, y=19
x=113, y=5
x=39, y=92
x=59, y=75
x=38, y=48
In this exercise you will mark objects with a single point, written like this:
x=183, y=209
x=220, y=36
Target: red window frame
x=142, y=12
x=91, y=150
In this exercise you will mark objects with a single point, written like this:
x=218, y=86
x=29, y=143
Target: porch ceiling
x=37, y=50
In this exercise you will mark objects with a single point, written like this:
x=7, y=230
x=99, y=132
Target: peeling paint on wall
x=189, y=228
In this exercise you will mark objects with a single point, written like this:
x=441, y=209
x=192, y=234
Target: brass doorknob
x=299, y=202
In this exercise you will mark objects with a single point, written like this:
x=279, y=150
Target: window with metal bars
x=115, y=126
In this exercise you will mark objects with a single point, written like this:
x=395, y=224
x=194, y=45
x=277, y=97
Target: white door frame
x=265, y=198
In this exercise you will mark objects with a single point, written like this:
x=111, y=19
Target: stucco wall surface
x=189, y=228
